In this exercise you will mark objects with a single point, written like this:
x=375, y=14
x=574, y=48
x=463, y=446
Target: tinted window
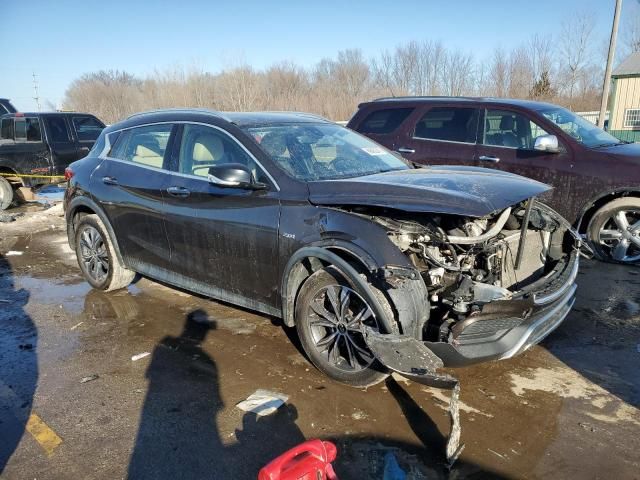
x=203, y=147
x=503, y=128
x=6, y=129
x=450, y=124
x=144, y=145
x=384, y=121
x=87, y=128
x=58, y=129
x=28, y=129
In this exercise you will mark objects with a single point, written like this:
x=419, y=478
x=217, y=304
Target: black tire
x=6, y=193
x=97, y=257
x=314, y=329
x=614, y=231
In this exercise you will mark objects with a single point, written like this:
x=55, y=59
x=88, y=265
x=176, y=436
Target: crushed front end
x=497, y=285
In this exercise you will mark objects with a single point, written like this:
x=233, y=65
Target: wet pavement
x=74, y=405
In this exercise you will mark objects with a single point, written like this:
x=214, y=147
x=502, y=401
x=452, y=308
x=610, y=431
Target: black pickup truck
x=35, y=148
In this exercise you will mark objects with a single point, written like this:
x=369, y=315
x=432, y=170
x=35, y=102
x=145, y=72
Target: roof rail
x=177, y=110
x=423, y=97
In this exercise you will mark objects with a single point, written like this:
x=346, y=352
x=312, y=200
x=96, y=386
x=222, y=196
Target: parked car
x=296, y=217
x=34, y=144
x=595, y=175
x=6, y=106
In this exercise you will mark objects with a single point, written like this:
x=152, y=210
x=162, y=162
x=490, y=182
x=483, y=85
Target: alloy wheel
x=337, y=317
x=620, y=234
x=94, y=254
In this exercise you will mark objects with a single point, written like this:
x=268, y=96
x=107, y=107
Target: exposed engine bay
x=467, y=263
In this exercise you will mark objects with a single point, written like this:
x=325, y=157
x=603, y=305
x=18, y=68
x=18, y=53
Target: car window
x=384, y=121
x=28, y=129
x=448, y=124
x=6, y=129
x=144, y=145
x=203, y=147
x=58, y=129
x=310, y=152
x=87, y=128
x=503, y=128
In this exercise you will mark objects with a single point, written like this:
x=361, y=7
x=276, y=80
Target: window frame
x=625, y=123
x=12, y=120
x=25, y=139
x=75, y=128
x=423, y=113
x=175, y=137
x=47, y=119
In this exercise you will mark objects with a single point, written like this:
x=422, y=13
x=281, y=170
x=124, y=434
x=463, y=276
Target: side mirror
x=546, y=143
x=233, y=175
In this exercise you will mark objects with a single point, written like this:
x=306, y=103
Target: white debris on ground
x=138, y=356
x=263, y=402
x=443, y=398
x=13, y=253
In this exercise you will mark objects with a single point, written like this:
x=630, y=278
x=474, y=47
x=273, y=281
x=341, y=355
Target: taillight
x=68, y=174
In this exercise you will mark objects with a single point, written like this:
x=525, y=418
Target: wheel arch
x=11, y=176
x=600, y=200
x=84, y=205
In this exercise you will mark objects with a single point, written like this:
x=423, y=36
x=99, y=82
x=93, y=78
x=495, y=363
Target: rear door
x=61, y=143
x=441, y=135
x=384, y=125
x=129, y=185
x=22, y=148
x=223, y=239
x=506, y=143
x=87, y=129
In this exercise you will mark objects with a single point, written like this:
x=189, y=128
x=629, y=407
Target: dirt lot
x=566, y=409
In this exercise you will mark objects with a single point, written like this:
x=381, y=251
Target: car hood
x=468, y=191
x=627, y=150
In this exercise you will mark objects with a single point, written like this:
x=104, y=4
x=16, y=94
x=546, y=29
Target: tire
x=614, y=231
x=97, y=257
x=6, y=193
x=336, y=348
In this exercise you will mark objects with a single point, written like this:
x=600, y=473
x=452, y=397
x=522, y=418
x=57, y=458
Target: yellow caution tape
x=29, y=176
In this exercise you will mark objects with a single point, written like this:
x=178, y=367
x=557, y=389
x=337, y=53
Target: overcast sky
x=60, y=40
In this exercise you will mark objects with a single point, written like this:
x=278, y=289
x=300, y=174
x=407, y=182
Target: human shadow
x=18, y=363
x=179, y=435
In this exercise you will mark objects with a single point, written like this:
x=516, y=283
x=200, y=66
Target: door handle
x=178, y=192
x=109, y=181
x=489, y=158
x=406, y=150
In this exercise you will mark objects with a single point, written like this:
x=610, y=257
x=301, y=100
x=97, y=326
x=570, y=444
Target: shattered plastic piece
x=263, y=402
x=13, y=253
x=76, y=326
x=139, y=356
x=90, y=378
x=392, y=470
x=309, y=460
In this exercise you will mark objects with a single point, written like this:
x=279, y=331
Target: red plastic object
x=310, y=460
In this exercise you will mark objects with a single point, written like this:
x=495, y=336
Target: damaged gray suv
x=377, y=264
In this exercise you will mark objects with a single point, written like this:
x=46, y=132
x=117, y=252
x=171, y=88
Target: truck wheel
x=614, y=231
x=97, y=258
x=6, y=193
x=329, y=317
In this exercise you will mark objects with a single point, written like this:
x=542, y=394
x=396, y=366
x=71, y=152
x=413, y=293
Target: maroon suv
x=595, y=175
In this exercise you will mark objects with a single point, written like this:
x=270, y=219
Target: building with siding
x=624, y=121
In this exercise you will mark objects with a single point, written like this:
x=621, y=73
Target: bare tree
x=575, y=49
x=631, y=36
x=457, y=73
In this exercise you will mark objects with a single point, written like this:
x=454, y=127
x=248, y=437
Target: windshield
x=582, y=130
x=311, y=152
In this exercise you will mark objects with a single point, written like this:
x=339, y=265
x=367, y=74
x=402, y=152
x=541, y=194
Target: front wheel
x=97, y=257
x=614, y=231
x=6, y=193
x=330, y=316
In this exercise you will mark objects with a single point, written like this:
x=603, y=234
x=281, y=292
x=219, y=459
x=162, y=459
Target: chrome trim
x=219, y=181
x=196, y=177
x=444, y=141
x=552, y=297
x=522, y=343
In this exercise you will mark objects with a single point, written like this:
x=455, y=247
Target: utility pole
x=35, y=89
x=607, y=73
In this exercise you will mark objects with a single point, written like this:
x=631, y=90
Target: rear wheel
x=6, y=193
x=330, y=316
x=97, y=257
x=614, y=231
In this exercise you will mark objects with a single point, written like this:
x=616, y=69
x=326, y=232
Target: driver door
x=224, y=240
x=507, y=143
